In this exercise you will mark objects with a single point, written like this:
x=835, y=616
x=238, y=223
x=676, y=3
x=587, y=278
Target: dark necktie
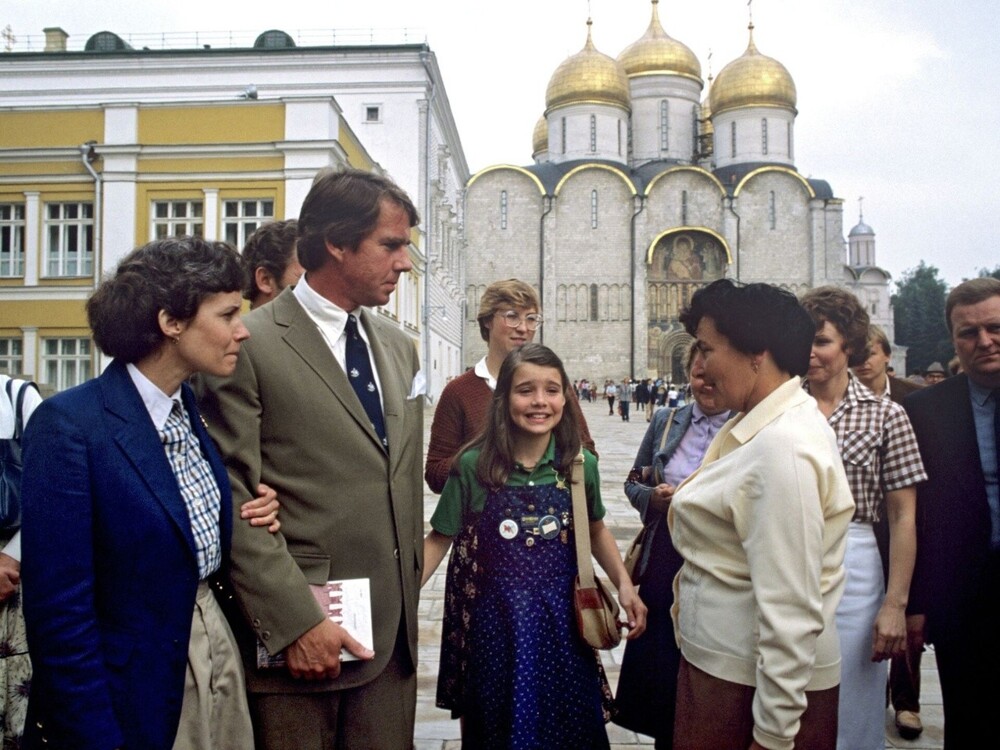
x=359, y=372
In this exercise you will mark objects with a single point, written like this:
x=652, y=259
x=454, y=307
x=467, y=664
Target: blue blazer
x=109, y=568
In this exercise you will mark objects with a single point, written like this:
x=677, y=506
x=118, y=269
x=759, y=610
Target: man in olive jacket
x=349, y=480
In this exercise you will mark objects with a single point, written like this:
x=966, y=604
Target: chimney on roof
x=55, y=39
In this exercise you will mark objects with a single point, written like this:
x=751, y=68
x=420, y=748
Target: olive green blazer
x=289, y=418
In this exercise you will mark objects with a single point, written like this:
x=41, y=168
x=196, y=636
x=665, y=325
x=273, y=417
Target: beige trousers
x=214, y=714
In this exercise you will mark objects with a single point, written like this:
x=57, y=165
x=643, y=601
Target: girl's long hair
x=496, y=443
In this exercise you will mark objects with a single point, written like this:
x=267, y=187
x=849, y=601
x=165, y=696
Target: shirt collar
x=483, y=372
x=320, y=309
x=549, y=457
x=697, y=415
x=157, y=403
x=980, y=394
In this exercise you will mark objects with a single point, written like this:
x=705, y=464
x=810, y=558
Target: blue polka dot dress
x=532, y=682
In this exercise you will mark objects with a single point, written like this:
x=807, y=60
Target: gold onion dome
x=657, y=52
x=588, y=76
x=540, y=138
x=752, y=80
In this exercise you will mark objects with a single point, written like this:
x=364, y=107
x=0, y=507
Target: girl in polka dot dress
x=513, y=665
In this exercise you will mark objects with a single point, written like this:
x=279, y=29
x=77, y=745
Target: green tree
x=918, y=305
x=995, y=273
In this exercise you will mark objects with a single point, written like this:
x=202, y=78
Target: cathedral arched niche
x=667, y=352
x=679, y=263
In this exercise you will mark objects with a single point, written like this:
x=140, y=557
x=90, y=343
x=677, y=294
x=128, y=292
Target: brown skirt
x=714, y=713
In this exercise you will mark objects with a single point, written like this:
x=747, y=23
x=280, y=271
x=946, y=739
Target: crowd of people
x=808, y=517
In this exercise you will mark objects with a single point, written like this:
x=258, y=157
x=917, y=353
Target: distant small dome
x=540, y=138
x=657, y=52
x=588, y=76
x=106, y=41
x=273, y=39
x=860, y=229
x=752, y=80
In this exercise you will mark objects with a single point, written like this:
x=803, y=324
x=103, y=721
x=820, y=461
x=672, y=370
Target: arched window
x=732, y=133
x=664, y=125
x=593, y=133
x=503, y=209
x=593, y=302
x=763, y=136
x=593, y=209
x=562, y=127
x=684, y=207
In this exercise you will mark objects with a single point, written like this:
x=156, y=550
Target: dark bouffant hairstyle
x=845, y=313
x=270, y=248
x=342, y=208
x=755, y=318
x=496, y=458
x=175, y=274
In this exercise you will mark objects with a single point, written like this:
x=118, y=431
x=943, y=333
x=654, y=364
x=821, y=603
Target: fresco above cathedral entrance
x=680, y=264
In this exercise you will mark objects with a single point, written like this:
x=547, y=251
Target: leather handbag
x=596, y=609
x=634, y=552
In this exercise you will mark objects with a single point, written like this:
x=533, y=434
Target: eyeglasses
x=531, y=321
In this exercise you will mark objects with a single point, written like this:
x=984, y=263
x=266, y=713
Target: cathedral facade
x=643, y=188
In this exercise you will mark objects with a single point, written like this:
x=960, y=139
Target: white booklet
x=348, y=603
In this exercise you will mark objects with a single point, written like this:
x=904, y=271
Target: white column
x=212, y=214
x=30, y=364
x=32, y=238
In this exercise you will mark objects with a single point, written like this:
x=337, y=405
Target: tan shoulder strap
x=581, y=524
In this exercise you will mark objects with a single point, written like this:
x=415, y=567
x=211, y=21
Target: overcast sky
x=897, y=99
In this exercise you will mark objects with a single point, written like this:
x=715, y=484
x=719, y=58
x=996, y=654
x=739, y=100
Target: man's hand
x=10, y=576
x=315, y=655
x=660, y=497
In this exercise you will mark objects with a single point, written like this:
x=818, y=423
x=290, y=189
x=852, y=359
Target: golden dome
x=657, y=52
x=588, y=76
x=540, y=138
x=752, y=80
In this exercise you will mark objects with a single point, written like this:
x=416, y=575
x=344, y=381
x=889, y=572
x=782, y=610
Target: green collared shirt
x=463, y=493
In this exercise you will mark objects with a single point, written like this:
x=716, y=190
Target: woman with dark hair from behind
x=883, y=464
x=127, y=515
x=761, y=527
x=672, y=450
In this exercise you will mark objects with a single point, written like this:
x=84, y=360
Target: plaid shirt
x=198, y=488
x=878, y=447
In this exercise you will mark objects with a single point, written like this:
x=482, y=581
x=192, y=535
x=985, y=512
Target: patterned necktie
x=359, y=372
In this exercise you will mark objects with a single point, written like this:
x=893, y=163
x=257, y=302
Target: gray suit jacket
x=288, y=417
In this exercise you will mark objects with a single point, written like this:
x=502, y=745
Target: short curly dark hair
x=270, y=247
x=175, y=274
x=755, y=318
x=844, y=312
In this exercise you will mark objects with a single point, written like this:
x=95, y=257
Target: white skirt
x=861, y=714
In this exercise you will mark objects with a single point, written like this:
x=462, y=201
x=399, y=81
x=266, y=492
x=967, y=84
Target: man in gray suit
x=322, y=407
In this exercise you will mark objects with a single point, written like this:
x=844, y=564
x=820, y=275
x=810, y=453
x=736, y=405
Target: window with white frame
x=240, y=219
x=593, y=133
x=11, y=239
x=503, y=209
x=593, y=209
x=664, y=125
x=11, y=356
x=69, y=243
x=684, y=207
x=732, y=135
x=562, y=128
x=66, y=361
x=763, y=136
x=772, y=210
x=178, y=219
x=373, y=113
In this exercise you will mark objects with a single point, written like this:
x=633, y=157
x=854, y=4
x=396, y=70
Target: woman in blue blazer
x=127, y=514
x=647, y=685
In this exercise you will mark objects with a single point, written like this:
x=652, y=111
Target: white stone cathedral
x=642, y=190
